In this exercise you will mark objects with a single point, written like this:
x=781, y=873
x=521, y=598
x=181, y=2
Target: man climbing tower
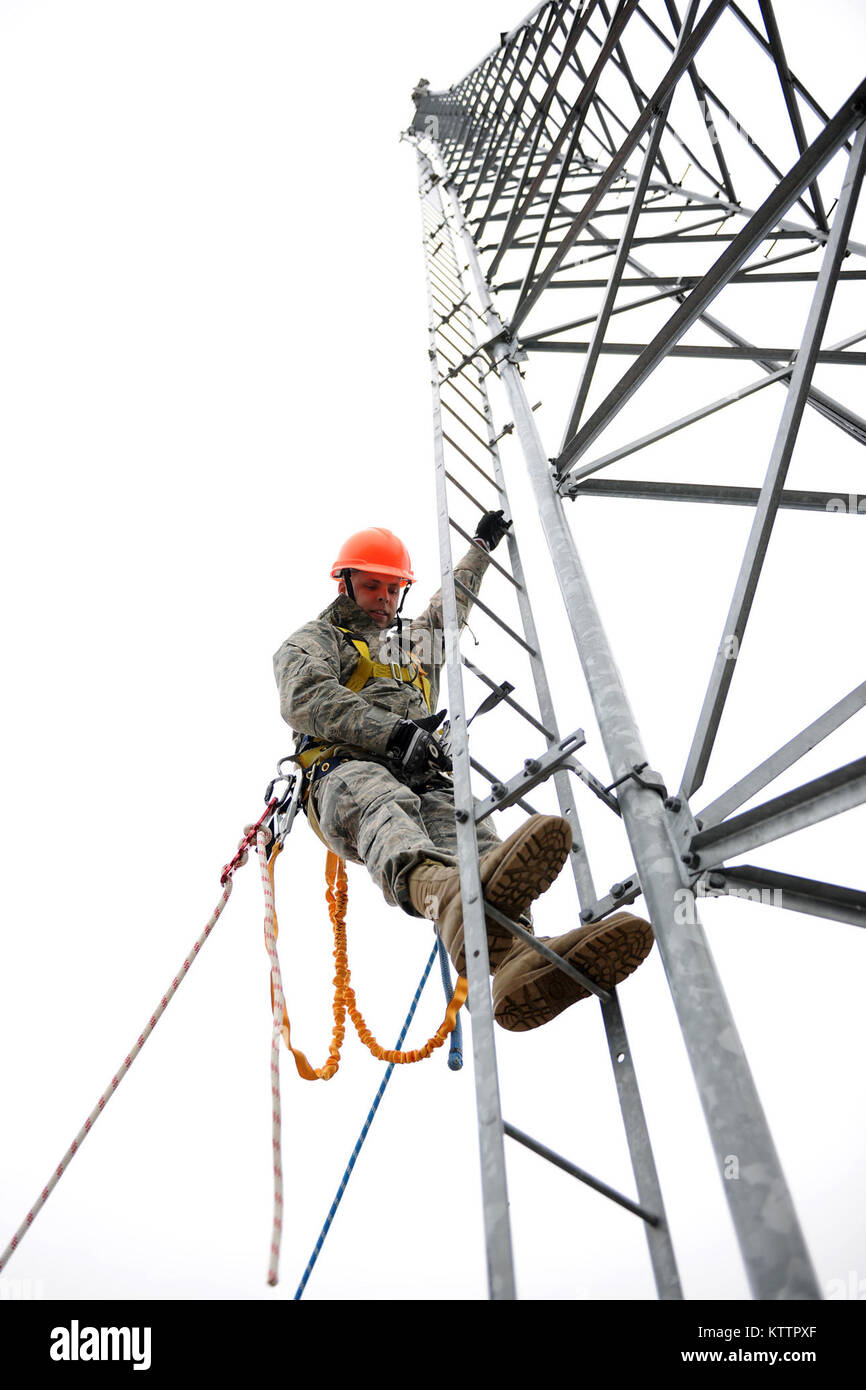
x=362, y=699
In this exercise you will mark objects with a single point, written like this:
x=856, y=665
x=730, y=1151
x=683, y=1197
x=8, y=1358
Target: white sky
x=213, y=366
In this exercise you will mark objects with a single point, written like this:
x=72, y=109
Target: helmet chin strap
x=400, y=620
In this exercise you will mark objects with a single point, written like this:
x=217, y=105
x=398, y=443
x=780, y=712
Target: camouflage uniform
x=365, y=811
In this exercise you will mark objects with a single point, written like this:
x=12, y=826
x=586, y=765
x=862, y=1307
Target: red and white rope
x=250, y=833
x=277, y=988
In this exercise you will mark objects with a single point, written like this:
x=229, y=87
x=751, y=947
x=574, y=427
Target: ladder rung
x=471, y=404
x=490, y=613
x=538, y=946
x=476, y=671
x=477, y=466
x=572, y=1168
x=495, y=563
x=453, y=310
x=445, y=331
x=465, y=491
x=485, y=443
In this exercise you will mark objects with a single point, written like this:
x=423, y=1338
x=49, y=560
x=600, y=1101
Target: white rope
x=277, y=986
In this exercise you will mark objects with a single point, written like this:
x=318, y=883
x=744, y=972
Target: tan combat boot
x=528, y=990
x=518, y=871
x=434, y=890
x=513, y=875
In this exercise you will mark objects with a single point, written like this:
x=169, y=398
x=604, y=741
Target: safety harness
x=316, y=758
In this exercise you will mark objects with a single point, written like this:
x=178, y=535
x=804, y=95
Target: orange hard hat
x=377, y=551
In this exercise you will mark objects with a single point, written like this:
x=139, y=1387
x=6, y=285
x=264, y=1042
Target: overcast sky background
x=213, y=365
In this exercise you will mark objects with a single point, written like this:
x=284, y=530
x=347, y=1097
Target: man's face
x=377, y=594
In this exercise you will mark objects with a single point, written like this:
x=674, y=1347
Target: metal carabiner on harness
x=284, y=812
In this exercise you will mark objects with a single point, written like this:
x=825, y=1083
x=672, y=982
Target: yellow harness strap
x=344, y=996
x=367, y=669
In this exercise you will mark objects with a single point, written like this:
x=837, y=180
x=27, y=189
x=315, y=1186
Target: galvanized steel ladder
x=490, y=138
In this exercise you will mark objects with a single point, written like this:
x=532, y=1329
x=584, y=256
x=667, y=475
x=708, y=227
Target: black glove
x=413, y=749
x=491, y=528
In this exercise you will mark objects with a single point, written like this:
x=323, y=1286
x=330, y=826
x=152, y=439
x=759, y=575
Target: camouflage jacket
x=314, y=664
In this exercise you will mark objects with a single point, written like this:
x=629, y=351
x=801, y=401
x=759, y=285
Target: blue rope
x=455, y=1051
x=367, y=1123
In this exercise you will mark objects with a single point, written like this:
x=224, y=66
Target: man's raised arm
x=468, y=572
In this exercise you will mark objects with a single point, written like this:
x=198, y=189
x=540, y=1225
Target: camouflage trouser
x=370, y=817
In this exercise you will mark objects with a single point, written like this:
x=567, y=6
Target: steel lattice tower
x=550, y=177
